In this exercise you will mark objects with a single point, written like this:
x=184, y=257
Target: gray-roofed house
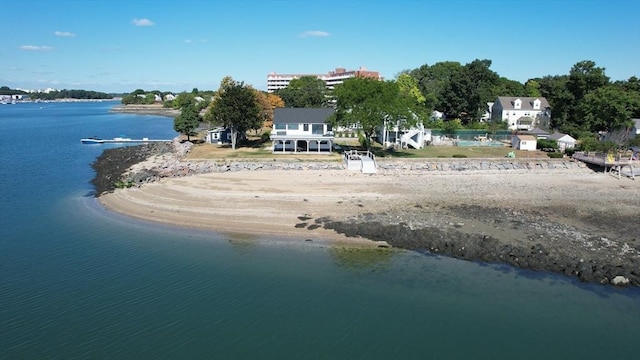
x=522, y=113
x=302, y=131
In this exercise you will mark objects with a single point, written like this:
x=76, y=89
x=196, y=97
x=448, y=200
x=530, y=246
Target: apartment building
x=277, y=81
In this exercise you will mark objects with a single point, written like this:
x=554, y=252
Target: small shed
x=524, y=142
x=219, y=136
x=564, y=141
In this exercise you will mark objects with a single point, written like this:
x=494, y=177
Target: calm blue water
x=78, y=282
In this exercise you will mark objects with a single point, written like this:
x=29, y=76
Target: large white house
x=522, y=113
x=277, y=81
x=302, y=130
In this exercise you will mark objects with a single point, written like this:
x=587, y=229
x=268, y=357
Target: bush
x=569, y=151
x=459, y=156
x=547, y=144
x=555, y=155
x=266, y=136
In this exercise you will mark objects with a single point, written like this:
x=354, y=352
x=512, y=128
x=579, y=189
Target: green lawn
x=256, y=149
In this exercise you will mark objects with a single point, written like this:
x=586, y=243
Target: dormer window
x=536, y=104
x=517, y=104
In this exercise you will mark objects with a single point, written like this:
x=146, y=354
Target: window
x=294, y=126
x=281, y=126
x=305, y=127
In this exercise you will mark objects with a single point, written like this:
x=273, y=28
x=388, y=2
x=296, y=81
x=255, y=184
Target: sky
x=122, y=45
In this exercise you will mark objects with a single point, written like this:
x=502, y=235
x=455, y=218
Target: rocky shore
x=146, y=110
x=545, y=220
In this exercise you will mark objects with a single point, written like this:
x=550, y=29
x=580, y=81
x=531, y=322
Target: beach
x=576, y=221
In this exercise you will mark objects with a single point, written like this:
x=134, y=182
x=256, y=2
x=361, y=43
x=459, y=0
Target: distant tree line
x=58, y=94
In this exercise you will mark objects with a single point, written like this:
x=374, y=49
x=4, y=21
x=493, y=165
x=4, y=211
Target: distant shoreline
x=146, y=110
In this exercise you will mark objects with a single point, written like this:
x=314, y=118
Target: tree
x=187, y=121
x=236, y=108
x=608, y=108
x=304, y=92
x=370, y=104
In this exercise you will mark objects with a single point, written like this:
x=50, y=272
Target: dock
x=120, y=140
x=363, y=161
x=622, y=165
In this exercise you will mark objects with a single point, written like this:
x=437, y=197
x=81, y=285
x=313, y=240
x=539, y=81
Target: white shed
x=564, y=141
x=524, y=142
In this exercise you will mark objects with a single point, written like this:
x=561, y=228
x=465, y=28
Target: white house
x=302, y=130
x=564, y=141
x=169, y=97
x=415, y=137
x=524, y=142
x=522, y=113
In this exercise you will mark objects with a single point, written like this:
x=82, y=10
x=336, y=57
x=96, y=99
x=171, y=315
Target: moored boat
x=91, y=140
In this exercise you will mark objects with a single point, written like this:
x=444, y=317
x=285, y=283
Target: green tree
x=370, y=104
x=304, y=92
x=608, y=108
x=237, y=109
x=187, y=121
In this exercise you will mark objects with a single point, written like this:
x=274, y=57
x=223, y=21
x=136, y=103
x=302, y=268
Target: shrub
x=459, y=156
x=547, y=144
x=266, y=136
x=555, y=155
x=569, y=151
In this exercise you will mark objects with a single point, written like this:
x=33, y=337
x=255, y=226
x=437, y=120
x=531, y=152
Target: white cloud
x=35, y=48
x=314, y=33
x=188, y=41
x=64, y=34
x=142, y=22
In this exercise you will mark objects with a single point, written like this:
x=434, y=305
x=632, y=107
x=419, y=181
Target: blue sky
x=123, y=45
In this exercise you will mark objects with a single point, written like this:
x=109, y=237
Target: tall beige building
x=277, y=81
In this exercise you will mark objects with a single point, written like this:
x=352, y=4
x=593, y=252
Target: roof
x=301, y=115
x=526, y=137
x=506, y=102
x=538, y=131
x=558, y=136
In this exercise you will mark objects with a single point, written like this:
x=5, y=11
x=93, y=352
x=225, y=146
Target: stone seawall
x=153, y=166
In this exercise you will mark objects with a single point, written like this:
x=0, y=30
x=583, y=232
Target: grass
x=255, y=148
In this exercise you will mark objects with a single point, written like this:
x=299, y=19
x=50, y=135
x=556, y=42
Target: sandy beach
x=273, y=201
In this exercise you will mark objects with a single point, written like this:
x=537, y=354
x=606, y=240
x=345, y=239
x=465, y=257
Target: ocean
x=80, y=282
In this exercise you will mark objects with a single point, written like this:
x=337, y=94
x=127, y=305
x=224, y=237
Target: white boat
x=91, y=140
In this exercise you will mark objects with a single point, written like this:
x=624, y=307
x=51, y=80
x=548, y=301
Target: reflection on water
x=362, y=259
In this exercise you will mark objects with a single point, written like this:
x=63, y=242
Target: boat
x=91, y=140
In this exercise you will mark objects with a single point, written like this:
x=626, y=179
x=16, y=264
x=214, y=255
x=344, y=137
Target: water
x=77, y=281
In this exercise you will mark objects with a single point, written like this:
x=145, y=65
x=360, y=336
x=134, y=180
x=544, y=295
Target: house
x=564, y=141
x=302, y=130
x=522, y=113
x=524, y=142
x=635, y=130
x=415, y=137
x=169, y=97
x=219, y=136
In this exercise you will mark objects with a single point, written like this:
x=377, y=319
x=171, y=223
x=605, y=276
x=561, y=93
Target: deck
x=363, y=161
x=626, y=166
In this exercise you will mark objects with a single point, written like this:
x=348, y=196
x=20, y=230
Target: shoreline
x=145, y=110
x=572, y=221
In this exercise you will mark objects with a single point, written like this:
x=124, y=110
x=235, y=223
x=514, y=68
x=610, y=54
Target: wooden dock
x=622, y=165
x=120, y=140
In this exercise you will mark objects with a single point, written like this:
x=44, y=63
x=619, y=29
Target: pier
x=622, y=165
x=119, y=140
